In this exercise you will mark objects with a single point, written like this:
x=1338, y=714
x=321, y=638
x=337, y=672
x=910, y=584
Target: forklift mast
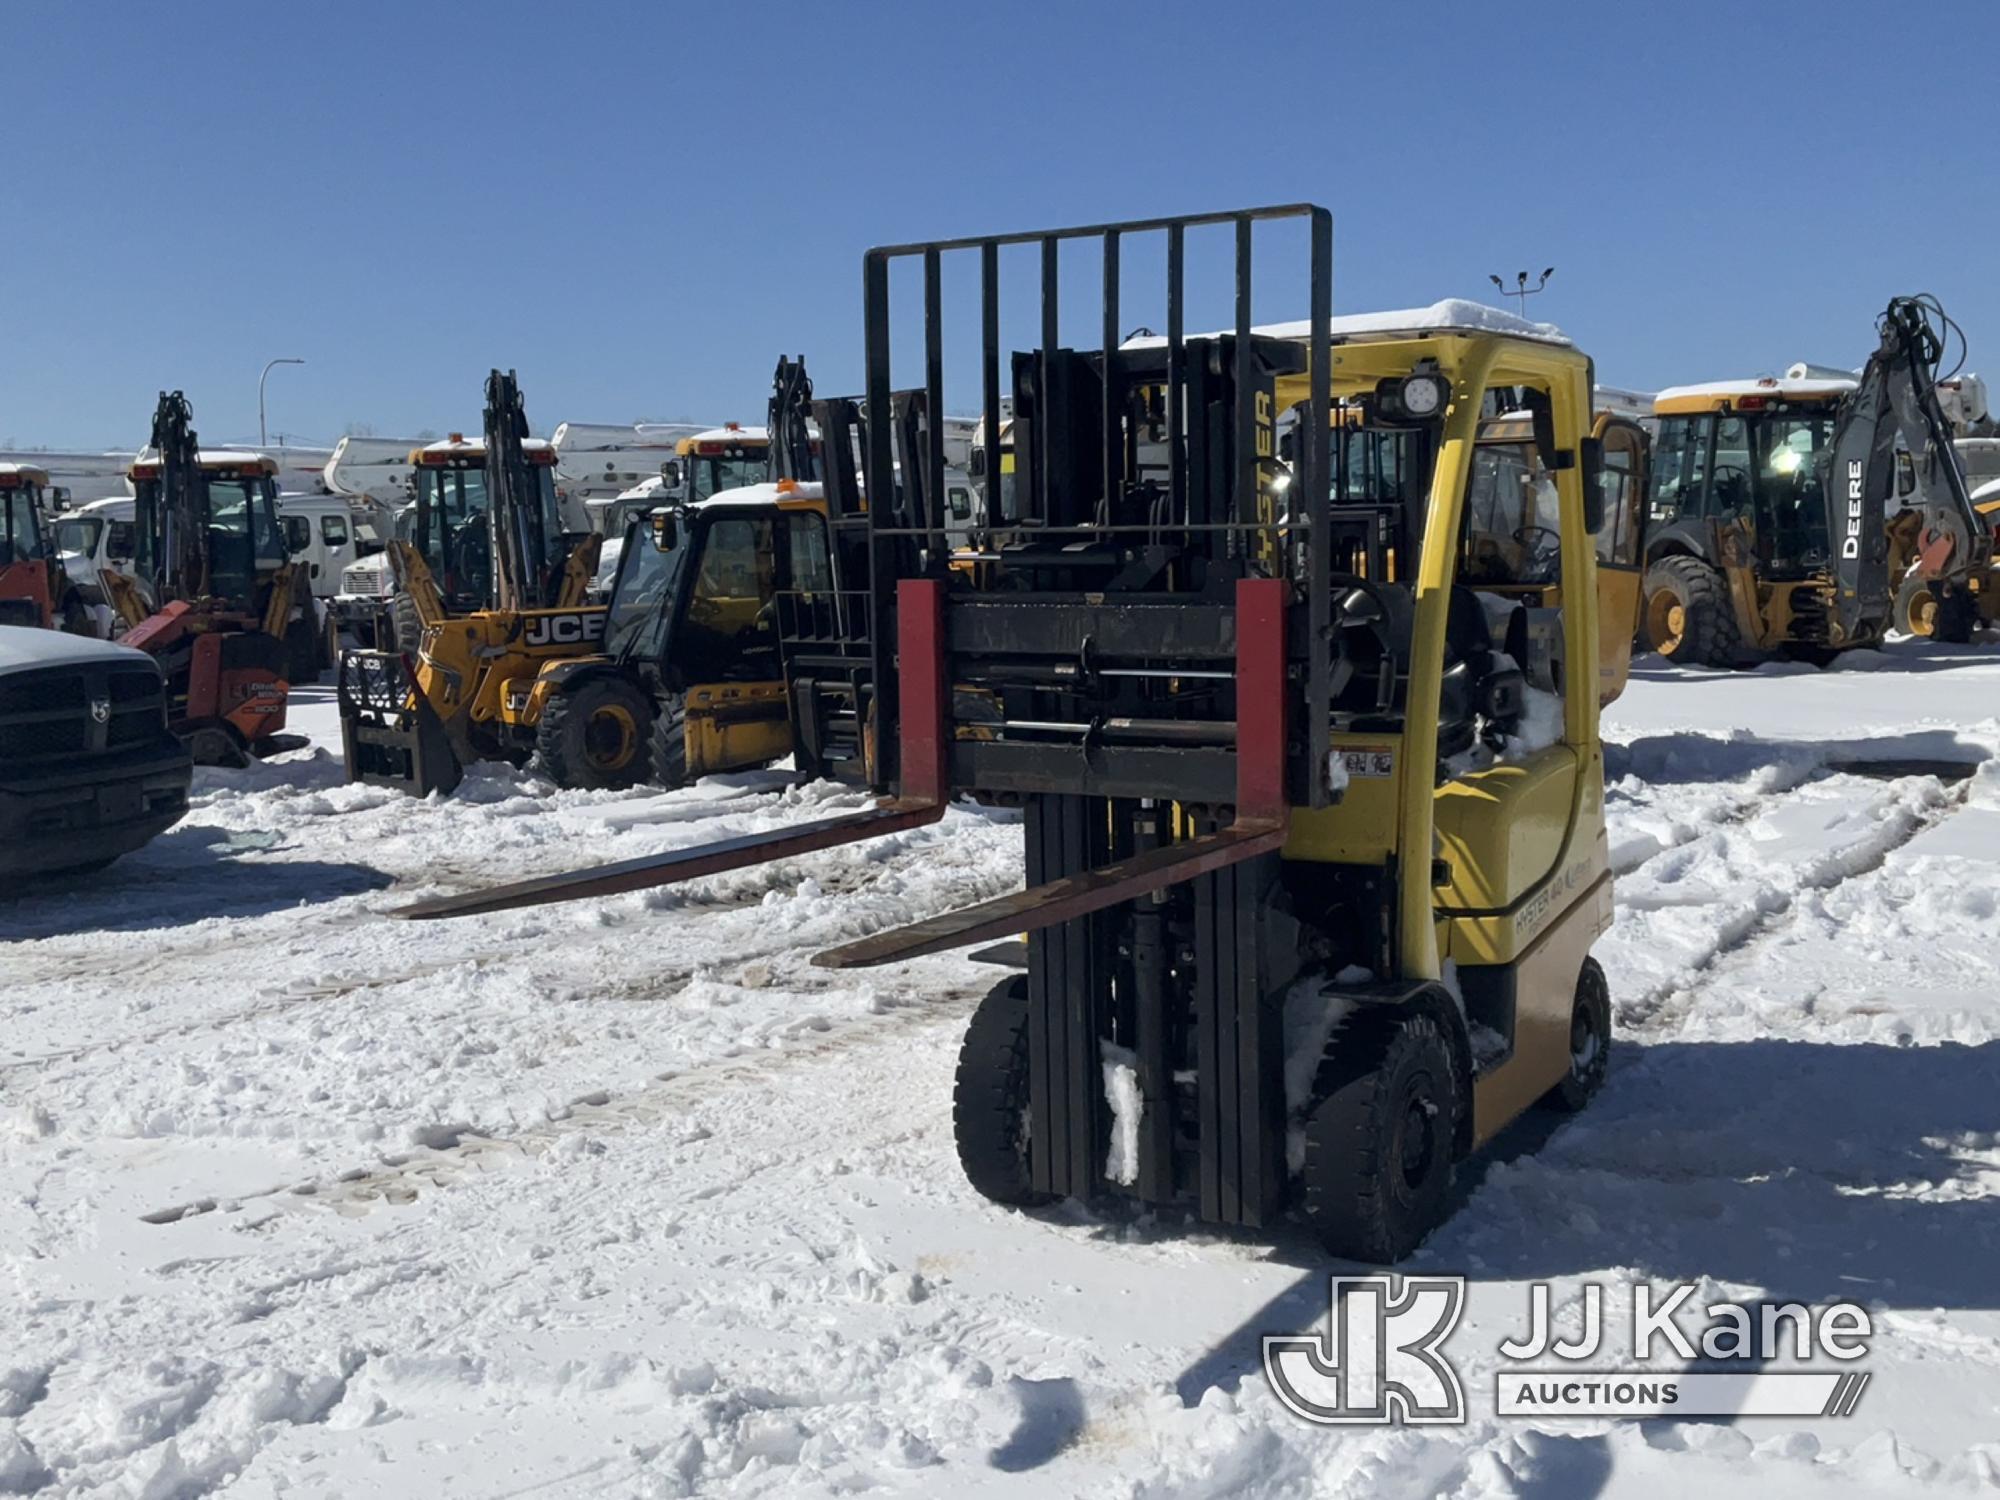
x=1894, y=407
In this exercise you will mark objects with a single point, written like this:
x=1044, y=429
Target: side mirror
x=670, y=473
x=1593, y=485
x=666, y=532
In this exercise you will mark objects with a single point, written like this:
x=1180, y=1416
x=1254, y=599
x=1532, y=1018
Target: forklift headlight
x=1416, y=397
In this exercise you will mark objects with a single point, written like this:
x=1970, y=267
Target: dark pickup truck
x=88, y=768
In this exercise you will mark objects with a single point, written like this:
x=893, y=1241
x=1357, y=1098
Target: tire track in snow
x=1746, y=928
x=400, y=1179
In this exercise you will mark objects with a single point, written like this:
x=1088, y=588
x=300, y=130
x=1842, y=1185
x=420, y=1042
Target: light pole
x=1521, y=288
x=261, y=438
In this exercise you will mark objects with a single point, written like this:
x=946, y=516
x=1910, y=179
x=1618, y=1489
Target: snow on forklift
x=688, y=681
x=213, y=595
x=1783, y=512
x=34, y=590
x=498, y=588
x=1282, y=821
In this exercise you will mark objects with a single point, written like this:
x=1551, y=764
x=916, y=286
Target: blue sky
x=639, y=206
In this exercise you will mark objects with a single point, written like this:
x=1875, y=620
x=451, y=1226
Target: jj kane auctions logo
x=1381, y=1357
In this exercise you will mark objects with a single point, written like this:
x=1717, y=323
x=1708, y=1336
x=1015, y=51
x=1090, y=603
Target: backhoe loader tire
x=1957, y=617
x=74, y=618
x=1589, y=1042
x=1916, y=607
x=989, y=1098
x=406, y=623
x=670, y=756
x=1380, y=1135
x=594, y=735
x=1689, y=618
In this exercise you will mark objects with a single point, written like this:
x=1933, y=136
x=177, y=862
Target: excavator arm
x=1894, y=411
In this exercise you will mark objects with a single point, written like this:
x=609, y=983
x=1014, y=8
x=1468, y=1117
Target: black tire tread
x=1572, y=1094
x=561, y=760
x=1345, y=1197
x=669, y=741
x=989, y=1093
x=1712, y=638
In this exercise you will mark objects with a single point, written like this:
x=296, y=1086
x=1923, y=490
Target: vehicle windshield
x=637, y=620
x=1375, y=466
x=1511, y=533
x=450, y=534
x=714, y=475
x=1788, y=457
x=78, y=535
x=244, y=535
x=20, y=527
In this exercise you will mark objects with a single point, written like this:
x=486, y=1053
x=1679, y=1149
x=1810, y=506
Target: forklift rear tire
x=1381, y=1135
x=594, y=735
x=989, y=1098
x=670, y=755
x=1689, y=619
x=1589, y=1042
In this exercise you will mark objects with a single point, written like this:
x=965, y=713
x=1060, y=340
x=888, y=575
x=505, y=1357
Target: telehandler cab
x=1280, y=807
x=1784, y=512
x=688, y=681
x=498, y=590
x=214, y=595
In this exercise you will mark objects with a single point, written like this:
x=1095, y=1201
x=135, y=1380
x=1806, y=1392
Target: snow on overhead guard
x=1745, y=395
x=460, y=452
x=231, y=463
x=1451, y=315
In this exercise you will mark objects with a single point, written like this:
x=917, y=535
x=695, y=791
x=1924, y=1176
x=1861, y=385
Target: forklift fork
x=925, y=741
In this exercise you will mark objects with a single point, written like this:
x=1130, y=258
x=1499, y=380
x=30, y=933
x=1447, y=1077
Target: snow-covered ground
x=628, y=1199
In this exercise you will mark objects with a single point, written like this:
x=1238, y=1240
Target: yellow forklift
x=1268, y=791
x=498, y=589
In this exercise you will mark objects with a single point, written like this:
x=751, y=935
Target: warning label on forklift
x=1381, y=1356
x=1364, y=761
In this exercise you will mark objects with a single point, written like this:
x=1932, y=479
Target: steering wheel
x=1542, y=546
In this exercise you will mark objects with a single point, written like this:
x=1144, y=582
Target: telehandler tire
x=594, y=735
x=989, y=1097
x=1688, y=615
x=1381, y=1135
x=1589, y=1042
x=669, y=748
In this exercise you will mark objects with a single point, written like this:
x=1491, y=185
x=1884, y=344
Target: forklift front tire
x=1381, y=1135
x=989, y=1098
x=1589, y=1042
x=594, y=735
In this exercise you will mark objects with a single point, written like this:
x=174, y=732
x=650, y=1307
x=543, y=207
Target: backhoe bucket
x=389, y=732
